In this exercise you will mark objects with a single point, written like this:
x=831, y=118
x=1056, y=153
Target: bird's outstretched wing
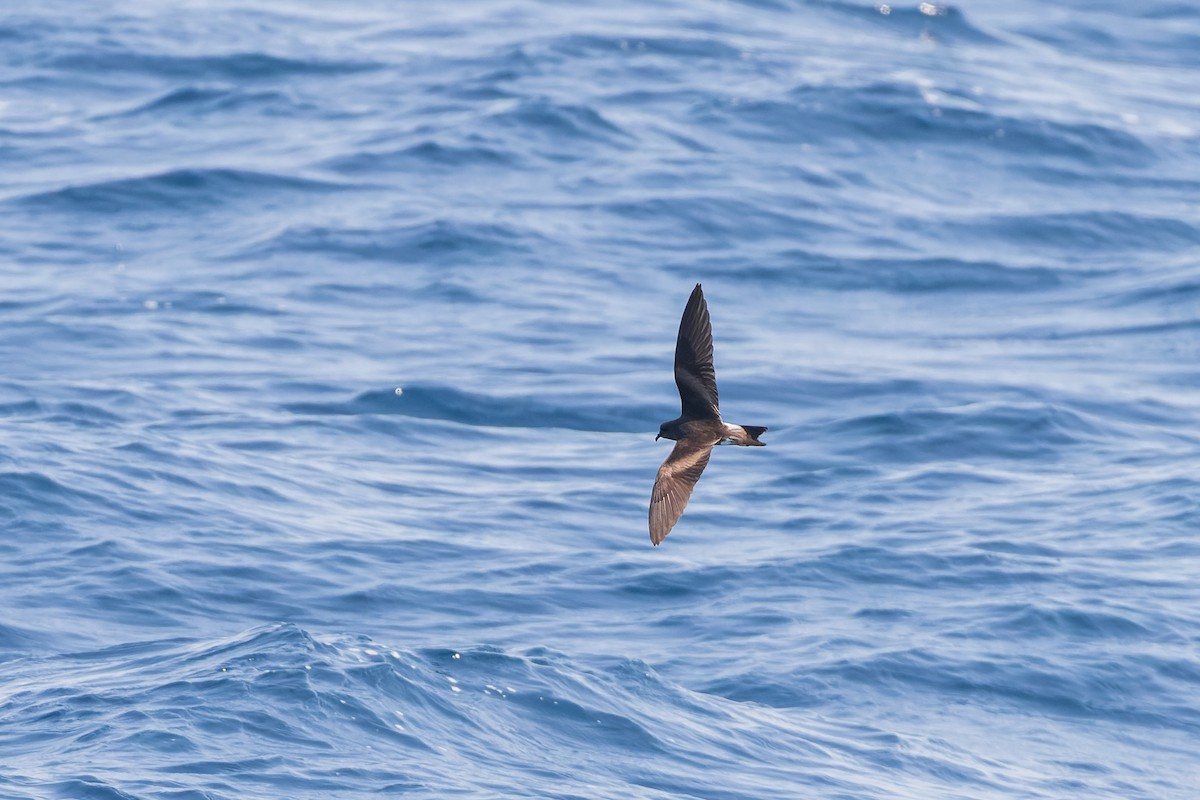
x=673, y=486
x=694, y=374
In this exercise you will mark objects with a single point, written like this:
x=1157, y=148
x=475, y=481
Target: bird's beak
x=657, y=436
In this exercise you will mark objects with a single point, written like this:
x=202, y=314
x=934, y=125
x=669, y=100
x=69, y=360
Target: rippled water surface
x=335, y=338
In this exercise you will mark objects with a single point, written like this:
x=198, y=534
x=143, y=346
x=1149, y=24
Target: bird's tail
x=755, y=431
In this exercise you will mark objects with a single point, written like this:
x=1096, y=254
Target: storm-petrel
x=699, y=427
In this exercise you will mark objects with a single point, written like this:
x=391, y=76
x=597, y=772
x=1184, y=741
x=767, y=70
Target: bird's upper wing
x=694, y=374
x=673, y=486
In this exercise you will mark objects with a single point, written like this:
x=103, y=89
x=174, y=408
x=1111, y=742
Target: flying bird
x=699, y=427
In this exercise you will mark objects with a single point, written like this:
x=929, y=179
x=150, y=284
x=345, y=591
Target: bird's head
x=666, y=431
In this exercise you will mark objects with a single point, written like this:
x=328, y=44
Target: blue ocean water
x=335, y=338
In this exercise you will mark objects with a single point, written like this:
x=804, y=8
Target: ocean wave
x=902, y=275
x=561, y=123
x=936, y=23
x=424, y=155
x=439, y=239
x=280, y=701
x=175, y=190
x=233, y=66
x=200, y=100
x=477, y=409
x=1033, y=431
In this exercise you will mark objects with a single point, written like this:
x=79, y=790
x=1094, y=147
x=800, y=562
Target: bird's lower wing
x=673, y=487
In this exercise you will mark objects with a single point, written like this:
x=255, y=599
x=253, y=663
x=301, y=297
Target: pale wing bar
x=673, y=487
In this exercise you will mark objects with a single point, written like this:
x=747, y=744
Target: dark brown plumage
x=699, y=427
